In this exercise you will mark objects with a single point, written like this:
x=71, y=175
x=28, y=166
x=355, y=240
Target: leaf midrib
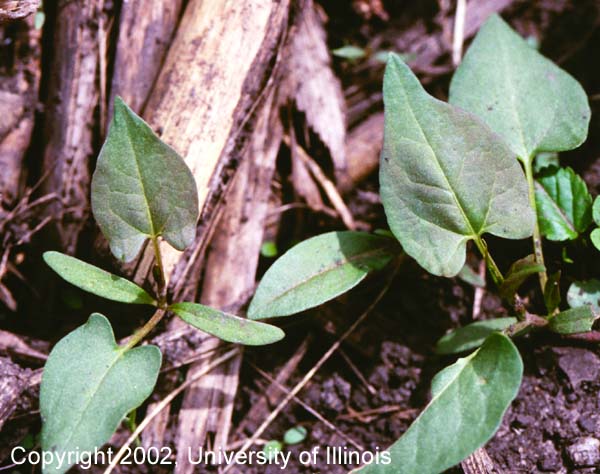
x=441, y=168
x=325, y=270
x=513, y=99
x=120, y=353
x=139, y=173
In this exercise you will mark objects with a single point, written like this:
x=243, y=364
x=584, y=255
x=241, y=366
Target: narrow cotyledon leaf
x=318, y=270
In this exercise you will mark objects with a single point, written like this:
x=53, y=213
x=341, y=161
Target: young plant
x=450, y=173
x=141, y=190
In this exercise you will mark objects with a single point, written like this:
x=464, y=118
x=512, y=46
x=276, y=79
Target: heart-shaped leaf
x=469, y=399
x=445, y=177
x=227, y=326
x=89, y=384
x=572, y=321
x=95, y=280
x=528, y=100
x=564, y=204
x=471, y=336
x=517, y=274
x=141, y=188
x=583, y=293
x=318, y=270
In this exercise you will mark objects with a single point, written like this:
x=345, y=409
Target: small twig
x=325, y=183
x=378, y=411
x=358, y=373
x=236, y=444
x=480, y=463
x=308, y=408
x=166, y=402
x=591, y=336
x=309, y=375
x=102, y=56
x=459, y=31
x=479, y=293
x=35, y=230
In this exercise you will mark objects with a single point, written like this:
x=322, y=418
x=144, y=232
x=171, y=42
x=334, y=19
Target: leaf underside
x=226, y=326
x=524, y=97
x=469, y=399
x=89, y=384
x=445, y=177
x=318, y=270
x=95, y=280
x=141, y=188
x=471, y=336
x=564, y=204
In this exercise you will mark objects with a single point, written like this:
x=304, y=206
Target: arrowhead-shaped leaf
x=572, y=320
x=318, y=270
x=226, y=326
x=469, y=399
x=564, y=204
x=141, y=188
x=471, y=336
x=89, y=384
x=532, y=103
x=445, y=177
x=583, y=293
x=95, y=280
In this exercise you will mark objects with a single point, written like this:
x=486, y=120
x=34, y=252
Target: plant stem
x=537, y=236
x=145, y=329
x=160, y=280
x=162, y=301
x=489, y=261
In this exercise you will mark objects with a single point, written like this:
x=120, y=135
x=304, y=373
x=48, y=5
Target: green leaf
x=445, y=177
x=295, y=435
x=518, y=273
x=524, y=97
x=269, y=249
x=95, y=280
x=318, y=270
x=471, y=336
x=469, y=401
x=468, y=275
x=552, y=296
x=572, y=320
x=141, y=188
x=545, y=159
x=271, y=448
x=227, y=326
x=564, y=204
x=583, y=293
x=595, y=237
x=349, y=52
x=89, y=384
x=596, y=210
